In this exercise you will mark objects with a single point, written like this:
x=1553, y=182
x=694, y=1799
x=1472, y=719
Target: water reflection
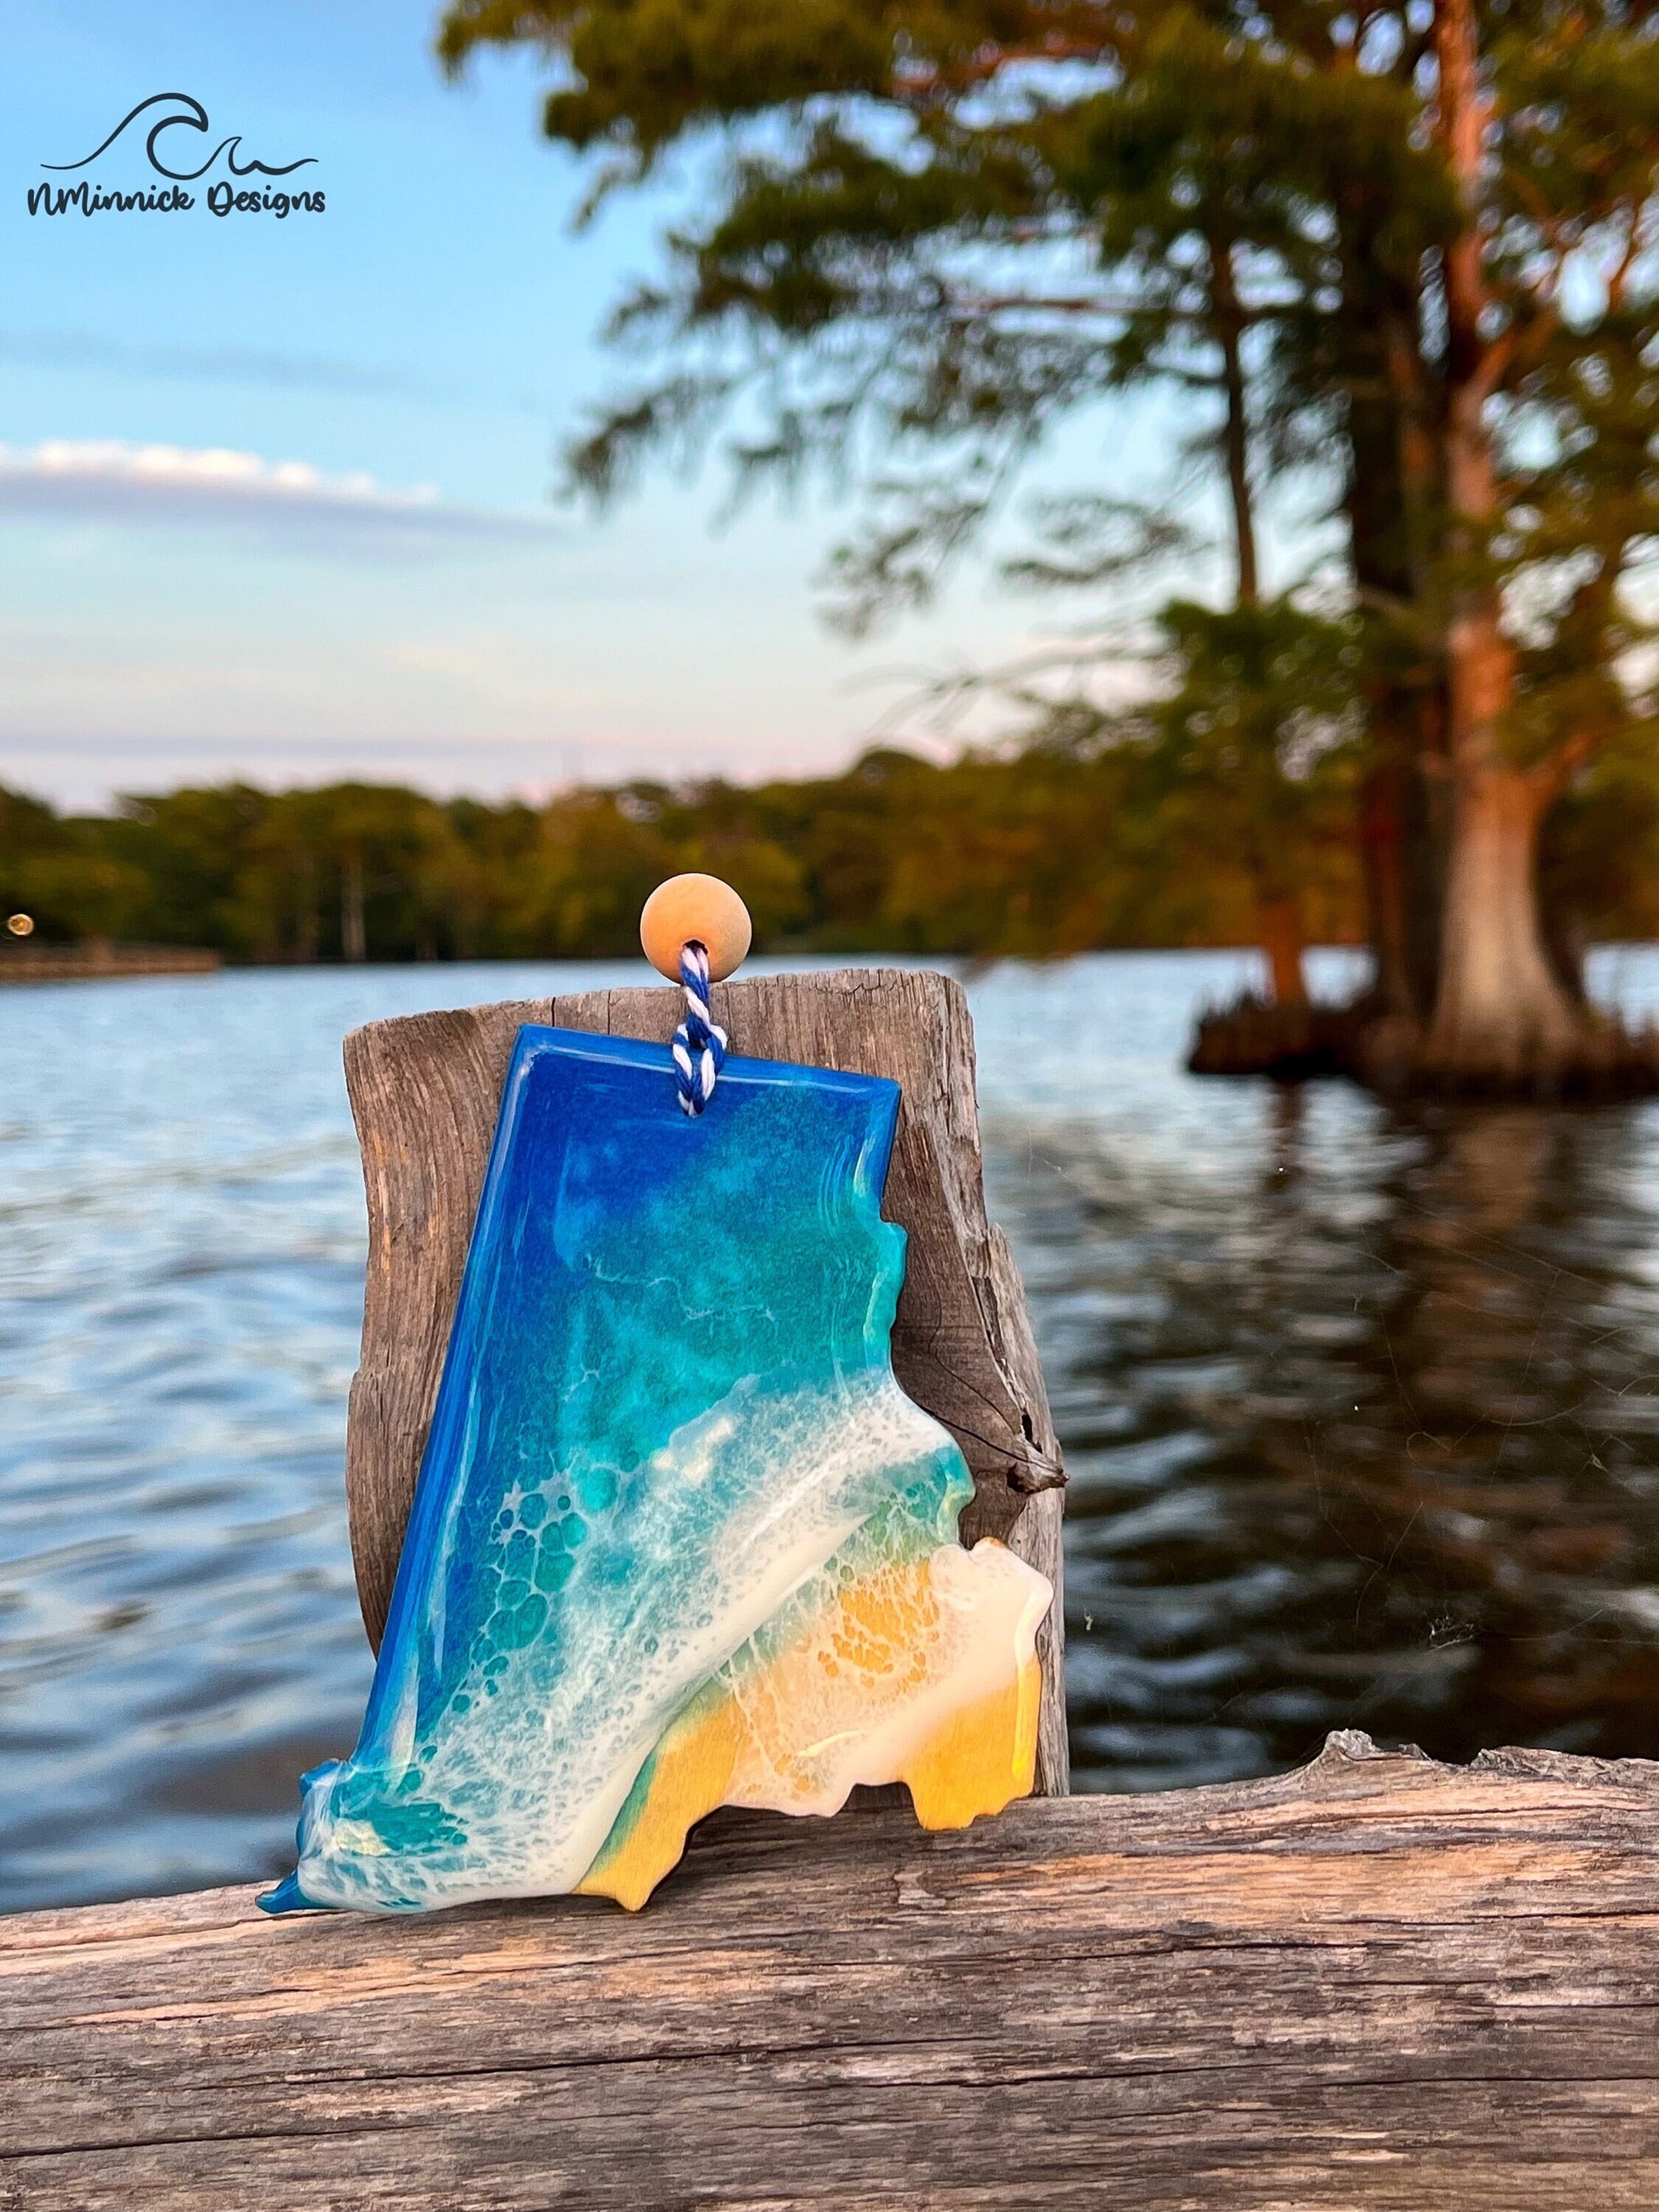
x=1370, y=1445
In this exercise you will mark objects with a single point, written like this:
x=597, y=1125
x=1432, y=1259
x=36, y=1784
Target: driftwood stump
x=425, y=1091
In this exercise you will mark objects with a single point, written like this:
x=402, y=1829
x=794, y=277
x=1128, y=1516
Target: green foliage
x=942, y=225
x=1067, y=845
x=71, y=877
x=927, y=233
x=1145, y=829
x=1599, y=864
x=945, y=225
x=1406, y=250
x=1252, y=750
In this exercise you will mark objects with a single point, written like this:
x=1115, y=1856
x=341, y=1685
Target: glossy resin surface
x=679, y=1539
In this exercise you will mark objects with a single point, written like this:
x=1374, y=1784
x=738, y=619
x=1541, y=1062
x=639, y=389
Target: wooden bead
x=700, y=907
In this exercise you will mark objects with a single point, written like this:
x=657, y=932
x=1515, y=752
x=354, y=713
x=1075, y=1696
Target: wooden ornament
x=700, y=908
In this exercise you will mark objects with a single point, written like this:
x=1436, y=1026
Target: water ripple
x=1361, y=1409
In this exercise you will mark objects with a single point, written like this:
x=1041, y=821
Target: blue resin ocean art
x=679, y=1539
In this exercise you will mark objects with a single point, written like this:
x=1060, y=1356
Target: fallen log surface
x=1377, y=1982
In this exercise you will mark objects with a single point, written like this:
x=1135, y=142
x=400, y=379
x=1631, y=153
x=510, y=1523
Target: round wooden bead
x=700, y=907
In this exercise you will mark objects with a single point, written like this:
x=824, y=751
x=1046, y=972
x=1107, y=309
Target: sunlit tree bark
x=1500, y=1010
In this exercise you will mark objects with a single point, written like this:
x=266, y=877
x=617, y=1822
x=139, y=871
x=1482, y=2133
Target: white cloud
x=105, y=480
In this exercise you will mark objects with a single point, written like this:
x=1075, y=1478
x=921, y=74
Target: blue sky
x=275, y=495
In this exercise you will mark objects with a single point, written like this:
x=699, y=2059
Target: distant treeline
x=1049, y=850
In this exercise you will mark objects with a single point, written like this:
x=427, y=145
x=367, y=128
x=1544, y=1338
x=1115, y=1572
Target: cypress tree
x=1407, y=248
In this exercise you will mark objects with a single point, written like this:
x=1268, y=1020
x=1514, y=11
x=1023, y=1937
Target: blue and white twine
x=699, y=1044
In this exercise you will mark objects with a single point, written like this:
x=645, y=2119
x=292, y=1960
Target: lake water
x=1361, y=1408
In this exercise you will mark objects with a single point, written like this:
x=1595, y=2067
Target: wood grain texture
x=1378, y=1985
x=424, y=1091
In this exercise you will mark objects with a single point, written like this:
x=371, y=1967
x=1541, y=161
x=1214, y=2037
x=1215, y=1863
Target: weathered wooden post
x=425, y=1089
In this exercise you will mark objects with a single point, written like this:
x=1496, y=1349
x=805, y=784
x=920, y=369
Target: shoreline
x=67, y=964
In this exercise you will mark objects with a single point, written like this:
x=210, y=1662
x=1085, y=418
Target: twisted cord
x=699, y=1043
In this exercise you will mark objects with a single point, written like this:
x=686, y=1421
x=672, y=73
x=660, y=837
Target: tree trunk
x=1235, y=431
x=1280, y=923
x=1392, y=463
x=1567, y=939
x=1383, y=832
x=1404, y=837
x=1500, y=1016
x=305, y=931
x=354, y=942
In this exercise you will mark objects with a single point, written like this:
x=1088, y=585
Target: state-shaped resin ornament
x=679, y=1539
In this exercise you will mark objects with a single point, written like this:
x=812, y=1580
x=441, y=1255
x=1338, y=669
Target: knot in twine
x=699, y=1043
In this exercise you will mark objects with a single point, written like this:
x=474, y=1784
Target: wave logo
x=227, y=195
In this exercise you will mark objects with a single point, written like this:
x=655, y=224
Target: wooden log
x=1378, y=1985
x=425, y=1090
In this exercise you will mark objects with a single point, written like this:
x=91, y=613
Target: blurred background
x=1150, y=508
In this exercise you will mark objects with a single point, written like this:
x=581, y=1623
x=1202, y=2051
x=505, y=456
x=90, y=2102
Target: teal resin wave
x=666, y=1415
